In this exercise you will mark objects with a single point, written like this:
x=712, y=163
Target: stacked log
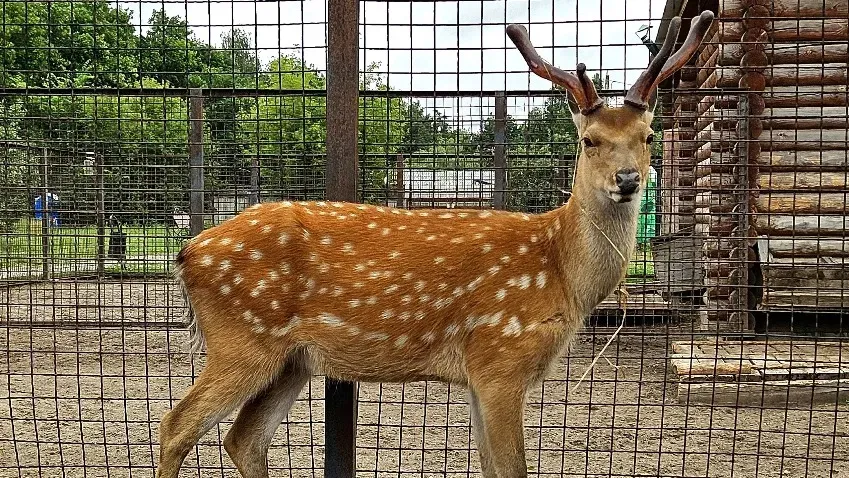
x=795, y=52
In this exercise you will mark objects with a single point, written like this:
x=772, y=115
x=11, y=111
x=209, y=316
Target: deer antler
x=663, y=65
x=580, y=85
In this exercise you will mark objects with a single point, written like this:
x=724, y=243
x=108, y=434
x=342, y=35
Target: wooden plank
x=801, y=225
x=785, y=273
x=788, y=8
x=820, y=203
x=804, y=135
x=803, y=160
x=771, y=394
x=791, y=53
x=804, y=299
x=832, y=29
x=796, y=247
x=778, y=282
x=803, y=180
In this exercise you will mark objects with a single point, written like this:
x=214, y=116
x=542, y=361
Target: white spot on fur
x=379, y=336
x=477, y=235
x=239, y=247
x=430, y=238
x=387, y=314
x=424, y=298
x=523, y=249
x=475, y=283
x=358, y=285
x=494, y=269
x=457, y=240
x=505, y=259
x=254, y=222
x=326, y=240
x=330, y=319
x=429, y=337
x=458, y=291
x=486, y=248
x=226, y=241
x=451, y=330
x=359, y=267
x=224, y=265
x=534, y=238
x=286, y=204
x=347, y=248
x=525, y=217
x=258, y=329
x=401, y=341
x=542, y=278
x=285, y=268
x=273, y=275
x=371, y=300
x=423, y=214
x=337, y=204
x=362, y=207
x=484, y=214
x=420, y=285
x=354, y=303
x=419, y=315
x=225, y=289
x=438, y=260
x=324, y=267
x=306, y=235
x=513, y=327
x=372, y=225
x=260, y=286
x=392, y=288
x=394, y=254
x=499, y=296
x=402, y=227
x=446, y=215
x=407, y=275
x=337, y=291
x=275, y=305
x=206, y=260
x=323, y=290
x=205, y=242
x=256, y=255
x=266, y=229
x=404, y=315
x=385, y=231
x=237, y=279
x=283, y=238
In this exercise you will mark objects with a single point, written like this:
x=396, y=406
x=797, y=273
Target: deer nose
x=628, y=180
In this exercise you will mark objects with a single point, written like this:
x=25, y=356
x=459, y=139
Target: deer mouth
x=620, y=198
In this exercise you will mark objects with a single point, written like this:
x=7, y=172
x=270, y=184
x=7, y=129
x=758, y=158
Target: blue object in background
x=52, y=203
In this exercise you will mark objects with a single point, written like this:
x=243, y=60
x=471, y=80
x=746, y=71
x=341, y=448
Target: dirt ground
x=86, y=401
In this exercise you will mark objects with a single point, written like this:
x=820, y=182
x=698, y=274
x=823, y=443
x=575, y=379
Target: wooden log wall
x=793, y=54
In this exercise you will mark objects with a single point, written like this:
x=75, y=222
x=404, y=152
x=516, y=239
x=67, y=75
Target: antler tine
x=581, y=88
x=664, y=65
x=638, y=93
x=698, y=29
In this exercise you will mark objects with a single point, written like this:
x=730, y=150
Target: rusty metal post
x=499, y=198
x=340, y=416
x=195, y=162
x=100, y=218
x=740, y=319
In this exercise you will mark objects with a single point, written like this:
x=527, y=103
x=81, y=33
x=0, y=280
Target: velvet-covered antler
x=663, y=65
x=579, y=85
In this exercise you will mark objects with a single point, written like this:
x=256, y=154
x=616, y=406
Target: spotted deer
x=484, y=299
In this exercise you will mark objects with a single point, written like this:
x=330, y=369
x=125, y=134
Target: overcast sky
x=441, y=46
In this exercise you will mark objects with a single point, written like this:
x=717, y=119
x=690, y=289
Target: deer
x=483, y=299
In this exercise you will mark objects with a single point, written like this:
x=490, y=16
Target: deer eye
x=650, y=139
x=588, y=143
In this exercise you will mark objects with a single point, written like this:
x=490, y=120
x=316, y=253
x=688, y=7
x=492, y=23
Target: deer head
x=615, y=142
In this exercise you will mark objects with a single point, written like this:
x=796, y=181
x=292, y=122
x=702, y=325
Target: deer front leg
x=250, y=436
x=501, y=411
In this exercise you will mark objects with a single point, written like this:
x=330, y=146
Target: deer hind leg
x=485, y=456
x=250, y=436
x=220, y=388
x=501, y=412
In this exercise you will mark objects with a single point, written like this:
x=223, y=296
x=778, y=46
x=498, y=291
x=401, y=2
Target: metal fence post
x=100, y=211
x=740, y=319
x=196, y=212
x=46, y=266
x=499, y=199
x=340, y=417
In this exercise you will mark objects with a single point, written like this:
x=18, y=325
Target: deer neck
x=595, y=236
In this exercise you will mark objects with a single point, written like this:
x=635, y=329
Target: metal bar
x=196, y=163
x=341, y=185
x=45, y=221
x=499, y=197
x=100, y=213
x=399, y=179
x=268, y=92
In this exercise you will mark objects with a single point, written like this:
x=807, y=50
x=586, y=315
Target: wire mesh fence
x=129, y=126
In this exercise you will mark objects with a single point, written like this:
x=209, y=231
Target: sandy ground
x=78, y=401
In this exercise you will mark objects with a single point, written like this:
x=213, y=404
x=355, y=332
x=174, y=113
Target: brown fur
x=484, y=299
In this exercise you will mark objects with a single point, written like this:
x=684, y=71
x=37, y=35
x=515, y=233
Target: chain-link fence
x=127, y=127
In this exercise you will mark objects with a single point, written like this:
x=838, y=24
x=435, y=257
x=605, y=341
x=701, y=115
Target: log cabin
x=755, y=157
